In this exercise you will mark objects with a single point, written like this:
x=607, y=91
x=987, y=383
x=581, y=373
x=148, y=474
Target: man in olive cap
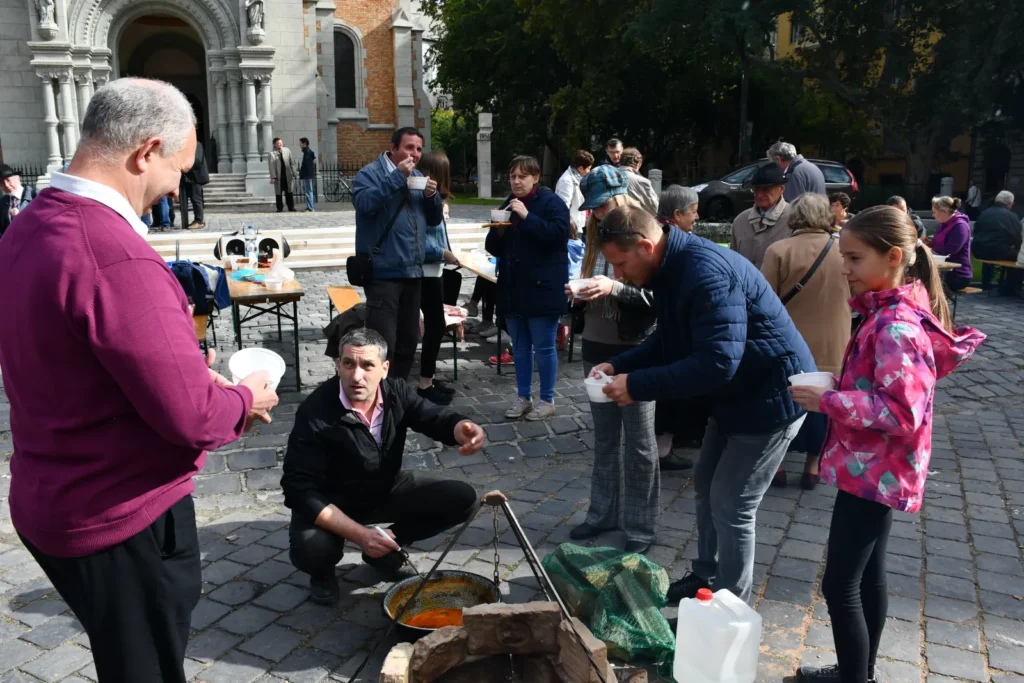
x=768, y=220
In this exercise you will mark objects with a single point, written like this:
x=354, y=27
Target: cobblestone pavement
x=956, y=582
x=330, y=216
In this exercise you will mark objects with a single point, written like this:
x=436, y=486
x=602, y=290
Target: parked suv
x=726, y=198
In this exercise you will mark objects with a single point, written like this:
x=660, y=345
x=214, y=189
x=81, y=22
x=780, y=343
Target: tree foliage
x=926, y=70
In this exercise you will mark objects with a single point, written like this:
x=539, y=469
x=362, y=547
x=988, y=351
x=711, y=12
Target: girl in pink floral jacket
x=880, y=422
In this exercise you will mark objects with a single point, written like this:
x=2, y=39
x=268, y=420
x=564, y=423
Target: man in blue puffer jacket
x=724, y=335
x=381, y=194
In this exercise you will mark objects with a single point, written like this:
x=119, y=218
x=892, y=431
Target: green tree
x=456, y=137
x=925, y=70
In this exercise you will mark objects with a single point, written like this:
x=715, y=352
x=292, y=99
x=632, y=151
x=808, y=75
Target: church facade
x=343, y=73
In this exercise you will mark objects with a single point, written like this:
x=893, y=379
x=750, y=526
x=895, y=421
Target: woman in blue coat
x=533, y=269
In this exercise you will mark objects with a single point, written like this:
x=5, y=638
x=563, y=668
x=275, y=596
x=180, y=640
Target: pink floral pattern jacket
x=880, y=415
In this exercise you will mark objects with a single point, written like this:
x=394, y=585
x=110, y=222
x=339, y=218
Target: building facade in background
x=343, y=73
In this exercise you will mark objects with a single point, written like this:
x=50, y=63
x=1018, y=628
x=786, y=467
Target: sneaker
x=435, y=395
x=674, y=462
x=521, y=407
x=493, y=339
x=487, y=329
x=824, y=674
x=506, y=359
x=389, y=565
x=543, y=411
x=686, y=587
x=324, y=590
x=472, y=309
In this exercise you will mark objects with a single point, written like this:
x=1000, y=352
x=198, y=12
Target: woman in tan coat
x=819, y=309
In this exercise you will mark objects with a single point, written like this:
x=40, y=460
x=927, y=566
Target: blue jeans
x=529, y=336
x=162, y=213
x=307, y=187
x=729, y=480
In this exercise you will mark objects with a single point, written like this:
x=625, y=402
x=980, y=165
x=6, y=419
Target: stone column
x=655, y=176
x=252, y=157
x=54, y=160
x=67, y=114
x=237, y=148
x=83, y=83
x=267, y=120
x=483, y=155
x=224, y=148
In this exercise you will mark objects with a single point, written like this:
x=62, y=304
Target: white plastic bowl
x=247, y=361
x=595, y=388
x=499, y=216
x=812, y=379
x=576, y=285
x=417, y=182
x=939, y=258
x=274, y=284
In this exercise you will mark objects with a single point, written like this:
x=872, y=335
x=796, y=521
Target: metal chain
x=497, y=557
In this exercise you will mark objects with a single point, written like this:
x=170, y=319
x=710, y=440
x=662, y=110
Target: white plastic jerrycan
x=718, y=639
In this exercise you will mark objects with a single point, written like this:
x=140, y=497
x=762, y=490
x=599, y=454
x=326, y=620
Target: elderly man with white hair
x=997, y=237
x=801, y=175
x=112, y=406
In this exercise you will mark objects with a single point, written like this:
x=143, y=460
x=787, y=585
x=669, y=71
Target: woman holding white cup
x=626, y=481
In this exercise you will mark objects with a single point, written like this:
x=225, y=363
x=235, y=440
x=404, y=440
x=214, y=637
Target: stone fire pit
x=543, y=649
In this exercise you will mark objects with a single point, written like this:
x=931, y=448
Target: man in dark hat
x=768, y=220
x=15, y=198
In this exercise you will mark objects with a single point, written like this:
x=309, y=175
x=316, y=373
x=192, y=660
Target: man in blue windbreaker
x=723, y=335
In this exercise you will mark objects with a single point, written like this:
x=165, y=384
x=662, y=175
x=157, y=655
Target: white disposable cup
x=247, y=361
x=595, y=388
x=499, y=216
x=812, y=379
x=576, y=285
x=274, y=284
x=417, y=182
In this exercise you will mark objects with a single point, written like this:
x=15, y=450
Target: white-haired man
x=997, y=237
x=112, y=406
x=801, y=175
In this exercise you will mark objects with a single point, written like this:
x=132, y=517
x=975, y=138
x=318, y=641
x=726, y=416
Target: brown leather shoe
x=196, y=225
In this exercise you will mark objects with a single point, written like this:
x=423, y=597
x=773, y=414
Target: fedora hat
x=768, y=174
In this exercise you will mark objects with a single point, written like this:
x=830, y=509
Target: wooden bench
x=1003, y=267
x=341, y=299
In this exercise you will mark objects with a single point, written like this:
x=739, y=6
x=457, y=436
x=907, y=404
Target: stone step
x=310, y=247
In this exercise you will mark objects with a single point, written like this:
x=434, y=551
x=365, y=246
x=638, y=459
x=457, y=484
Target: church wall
x=293, y=84
x=22, y=131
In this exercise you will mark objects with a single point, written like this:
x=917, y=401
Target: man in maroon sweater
x=112, y=406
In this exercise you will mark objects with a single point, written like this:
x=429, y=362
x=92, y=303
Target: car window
x=835, y=174
x=740, y=176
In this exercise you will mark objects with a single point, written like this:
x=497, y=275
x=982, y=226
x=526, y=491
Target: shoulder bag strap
x=810, y=273
x=391, y=222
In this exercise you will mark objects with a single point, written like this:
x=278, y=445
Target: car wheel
x=720, y=209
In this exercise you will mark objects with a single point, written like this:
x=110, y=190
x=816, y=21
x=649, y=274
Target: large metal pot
x=449, y=588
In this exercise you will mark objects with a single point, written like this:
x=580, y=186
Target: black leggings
x=486, y=292
x=432, y=305
x=854, y=583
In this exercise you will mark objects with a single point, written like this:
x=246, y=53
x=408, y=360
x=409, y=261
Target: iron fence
x=335, y=180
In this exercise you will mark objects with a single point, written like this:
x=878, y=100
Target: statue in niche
x=47, y=10
x=254, y=13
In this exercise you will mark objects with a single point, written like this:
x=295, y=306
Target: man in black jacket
x=191, y=190
x=307, y=173
x=343, y=468
x=997, y=237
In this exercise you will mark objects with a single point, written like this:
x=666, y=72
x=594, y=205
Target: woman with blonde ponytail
x=880, y=422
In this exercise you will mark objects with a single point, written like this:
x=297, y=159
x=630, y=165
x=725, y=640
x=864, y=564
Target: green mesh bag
x=618, y=596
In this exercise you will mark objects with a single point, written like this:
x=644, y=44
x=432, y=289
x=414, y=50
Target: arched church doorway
x=997, y=167
x=169, y=49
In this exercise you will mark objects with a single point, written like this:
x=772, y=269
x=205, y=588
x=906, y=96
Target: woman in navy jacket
x=533, y=269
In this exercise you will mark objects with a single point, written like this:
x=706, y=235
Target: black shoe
x=686, y=587
x=434, y=394
x=324, y=590
x=823, y=674
x=638, y=547
x=808, y=481
x=389, y=565
x=673, y=462
x=444, y=388
x=584, y=531
x=779, y=479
